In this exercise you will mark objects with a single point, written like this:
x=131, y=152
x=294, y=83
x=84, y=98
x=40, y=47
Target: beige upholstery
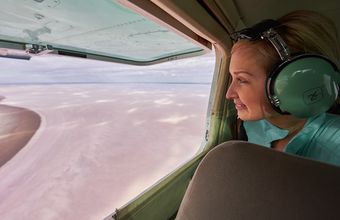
x=238, y=180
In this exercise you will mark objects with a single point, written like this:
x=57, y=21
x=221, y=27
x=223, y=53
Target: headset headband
x=278, y=43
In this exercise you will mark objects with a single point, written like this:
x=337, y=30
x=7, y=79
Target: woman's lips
x=240, y=106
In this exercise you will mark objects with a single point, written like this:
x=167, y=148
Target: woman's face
x=248, y=83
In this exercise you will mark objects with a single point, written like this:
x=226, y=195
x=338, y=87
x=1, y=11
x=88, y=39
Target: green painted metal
x=163, y=199
x=91, y=29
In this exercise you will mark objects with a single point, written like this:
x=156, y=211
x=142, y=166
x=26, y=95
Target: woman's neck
x=288, y=122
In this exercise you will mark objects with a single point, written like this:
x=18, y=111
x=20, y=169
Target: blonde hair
x=303, y=32
x=310, y=32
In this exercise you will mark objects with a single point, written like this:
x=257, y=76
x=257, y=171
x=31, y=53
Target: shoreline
x=17, y=127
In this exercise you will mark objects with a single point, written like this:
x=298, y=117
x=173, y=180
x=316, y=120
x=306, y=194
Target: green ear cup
x=304, y=86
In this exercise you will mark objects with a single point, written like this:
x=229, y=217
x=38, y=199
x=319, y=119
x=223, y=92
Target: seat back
x=239, y=180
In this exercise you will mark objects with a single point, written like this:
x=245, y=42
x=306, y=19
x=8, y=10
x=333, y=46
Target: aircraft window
x=80, y=138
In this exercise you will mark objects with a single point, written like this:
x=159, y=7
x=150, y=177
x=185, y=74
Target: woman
x=254, y=55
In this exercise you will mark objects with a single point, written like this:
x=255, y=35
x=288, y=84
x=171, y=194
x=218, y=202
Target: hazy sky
x=58, y=69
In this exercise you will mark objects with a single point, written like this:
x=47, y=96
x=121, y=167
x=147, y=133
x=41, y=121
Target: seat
x=239, y=180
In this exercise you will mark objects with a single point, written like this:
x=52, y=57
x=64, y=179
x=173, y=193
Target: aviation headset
x=303, y=85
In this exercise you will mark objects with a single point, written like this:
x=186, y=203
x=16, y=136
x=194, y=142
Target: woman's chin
x=246, y=116
x=241, y=115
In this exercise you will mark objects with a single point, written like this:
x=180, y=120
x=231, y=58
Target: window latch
x=38, y=49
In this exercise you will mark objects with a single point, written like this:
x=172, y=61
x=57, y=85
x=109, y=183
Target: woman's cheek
x=268, y=110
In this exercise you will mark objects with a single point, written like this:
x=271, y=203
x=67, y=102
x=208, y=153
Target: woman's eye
x=241, y=81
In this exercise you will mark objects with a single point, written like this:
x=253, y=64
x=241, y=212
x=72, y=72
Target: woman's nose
x=231, y=93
